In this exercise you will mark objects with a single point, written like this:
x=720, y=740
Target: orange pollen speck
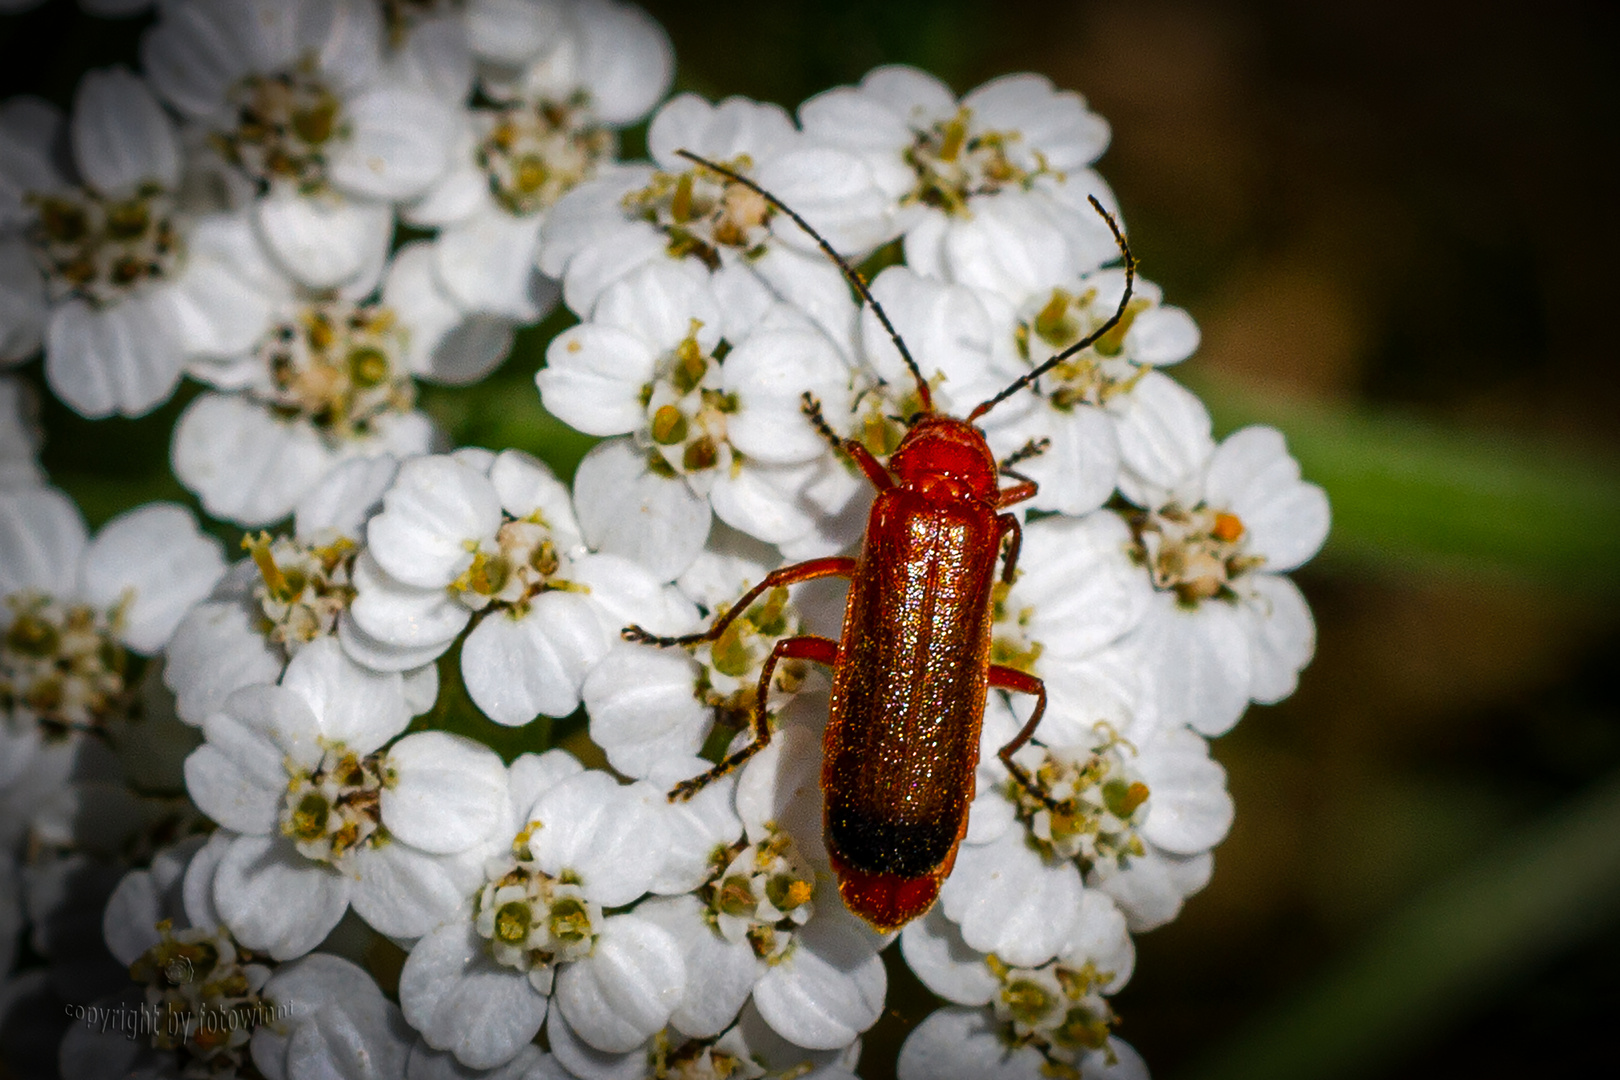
x=1228, y=527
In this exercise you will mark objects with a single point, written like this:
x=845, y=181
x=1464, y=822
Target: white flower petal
x=122, y=138
x=625, y=509
x=336, y=1024
x=626, y=59
x=448, y=793
x=42, y=536
x=487, y=264
x=827, y=990
x=1010, y=902
x=124, y=358
x=720, y=974
x=1189, y=810
x=1150, y=891
x=1252, y=475
x=627, y=988
x=934, y=950
x=325, y=244
x=956, y=1043
x=718, y=132
x=1203, y=663
x=353, y=705
x=770, y=373
x=1079, y=583
x=638, y=699
x=404, y=893
x=436, y=506
x=23, y=308
x=155, y=562
x=394, y=627
x=345, y=498
x=1101, y=939
x=1164, y=439
x=399, y=144
x=1161, y=336
x=1282, y=636
x=605, y=833
x=1008, y=246
x=275, y=900
x=518, y=668
x=244, y=464
x=461, y=1001
x=1079, y=469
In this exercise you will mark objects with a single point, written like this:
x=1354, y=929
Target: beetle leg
x=1006, y=678
x=1009, y=524
x=819, y=649
x=786, y=575
x=1018, y=492
x=869, y=465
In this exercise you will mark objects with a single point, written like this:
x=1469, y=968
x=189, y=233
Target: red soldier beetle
x=912, y=667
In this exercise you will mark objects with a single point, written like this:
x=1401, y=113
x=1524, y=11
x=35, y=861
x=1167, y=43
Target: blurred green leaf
x=1462, y=944
x=1413, y=494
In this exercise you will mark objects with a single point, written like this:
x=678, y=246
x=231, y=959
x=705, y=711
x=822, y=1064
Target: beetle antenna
x=850, y=272
x=1091, y=338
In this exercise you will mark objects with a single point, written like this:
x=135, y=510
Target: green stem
x=1462, y=944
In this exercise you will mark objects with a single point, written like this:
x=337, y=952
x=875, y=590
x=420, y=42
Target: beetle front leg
x=862, y=457
x=785, y=575
x=1006, y=678
x=818, y=649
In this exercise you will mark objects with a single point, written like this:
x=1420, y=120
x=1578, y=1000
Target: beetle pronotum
x=912, y=667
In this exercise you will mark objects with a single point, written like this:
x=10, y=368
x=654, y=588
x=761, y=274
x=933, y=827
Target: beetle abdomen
x=880, y=846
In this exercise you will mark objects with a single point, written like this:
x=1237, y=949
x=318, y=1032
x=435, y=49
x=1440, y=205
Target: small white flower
x=100, y=263
x=633, y=215
x=649, y=706
x=1078, y=408
x=331, y=379
x=310, y=122
x=1226, y=627
x=562, y=77
x=612, y=55
x=956, y=1043
x=200, y=989
x=325, y=816
x=291, y=591
x=1057, y=1007
x=989, y=191
x=70, y=606
x=721, y=419
x=480, y=985
x=452, y=543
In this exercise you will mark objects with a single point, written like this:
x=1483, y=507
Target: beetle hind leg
x=1006, y=678
x=818, y=649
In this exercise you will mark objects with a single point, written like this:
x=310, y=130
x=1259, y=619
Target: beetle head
x=942, y=449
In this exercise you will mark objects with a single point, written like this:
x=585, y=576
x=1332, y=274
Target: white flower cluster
x=229, y=795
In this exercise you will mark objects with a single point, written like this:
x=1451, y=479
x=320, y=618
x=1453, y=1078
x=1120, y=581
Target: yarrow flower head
x=73, y=607
x=234, y=212
x=106, y=265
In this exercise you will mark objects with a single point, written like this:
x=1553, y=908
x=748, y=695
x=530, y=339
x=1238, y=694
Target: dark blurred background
x=1397, y=225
